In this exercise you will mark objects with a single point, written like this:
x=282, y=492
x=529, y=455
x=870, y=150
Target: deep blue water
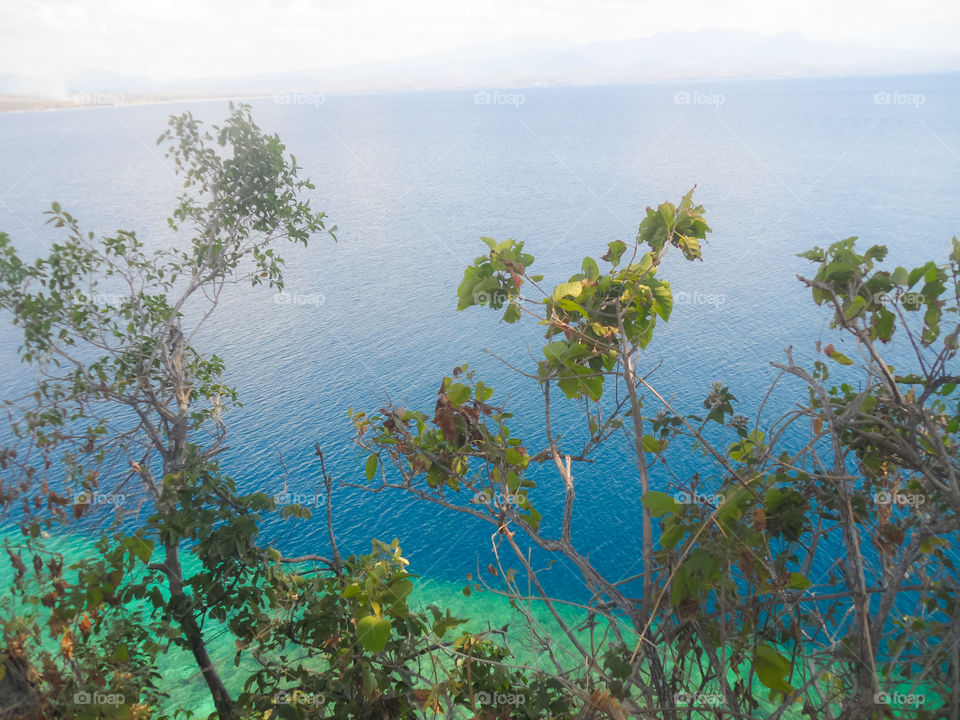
x=413, y=180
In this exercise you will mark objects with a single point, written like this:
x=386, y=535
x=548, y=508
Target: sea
x=413, y=180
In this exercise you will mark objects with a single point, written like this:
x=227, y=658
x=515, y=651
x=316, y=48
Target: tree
x=128, y=406
x=725, y=585
x=127, y=403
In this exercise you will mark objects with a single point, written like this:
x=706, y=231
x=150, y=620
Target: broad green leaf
x=651, y=444
x=556, y=351
x=614, y=252
x=371, y=467
x=572, y=288
x=798, y=581
x=373, y=632
x=484, y=393
x=590, y=269
x=660, y=503
x=855, y=307
x=671, y=536
x=514, y=457
x=143, y=549
x=458, y=393
x=772, y=670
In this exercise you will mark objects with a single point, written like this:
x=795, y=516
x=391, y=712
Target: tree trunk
x=183, y=612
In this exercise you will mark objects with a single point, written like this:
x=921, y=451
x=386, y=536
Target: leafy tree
x=129, y=409
x=814, y=578
x=726, y=584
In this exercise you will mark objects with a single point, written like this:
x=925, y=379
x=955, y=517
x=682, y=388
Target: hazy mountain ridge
x=666, y=56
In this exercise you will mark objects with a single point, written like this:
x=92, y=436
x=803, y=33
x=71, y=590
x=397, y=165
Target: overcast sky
x=184, y=39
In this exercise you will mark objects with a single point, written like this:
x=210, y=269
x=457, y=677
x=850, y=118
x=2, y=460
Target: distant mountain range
x=707, y=54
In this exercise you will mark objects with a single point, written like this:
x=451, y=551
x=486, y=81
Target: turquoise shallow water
x=484, y=610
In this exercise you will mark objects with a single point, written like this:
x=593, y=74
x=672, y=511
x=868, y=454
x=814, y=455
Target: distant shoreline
x=18, y=103
x=26, y=104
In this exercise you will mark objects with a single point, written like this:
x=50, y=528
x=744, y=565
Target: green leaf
x=443, y=623
x=532, y=518
x=671, y=536
x=143, y=549
x=690, y=247
x=900, y=276
x=572, y=289
x=798, y=581
x=854, y=308
x=614, y=252
x=663, y=300
x=556, y=351
x=458, y=393
x=839, y=357
x=514, y=457
x=651, y=444
x=371, y=468
x=659, y=503
x=373, y=632
x=484, y=393
x=883, y=325
x=590, y=269
x=772, y=670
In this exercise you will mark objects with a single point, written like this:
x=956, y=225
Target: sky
x=176, y=40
